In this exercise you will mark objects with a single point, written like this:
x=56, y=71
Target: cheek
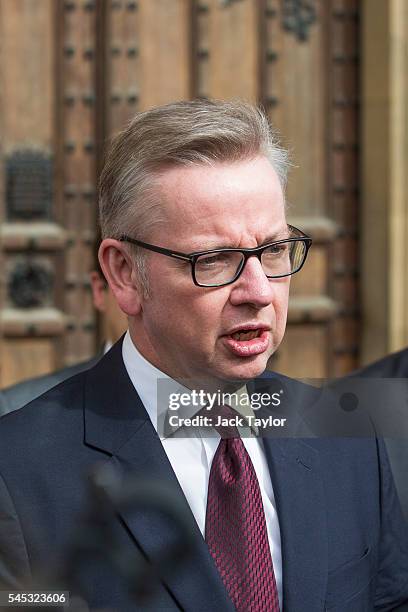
x=283, y=299
x=184, y=308
x=200, y=318
x=201, y=302
x=204, y=314
x=281, y=303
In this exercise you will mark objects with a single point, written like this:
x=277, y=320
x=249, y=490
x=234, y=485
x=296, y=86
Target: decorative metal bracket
x=298, y=16
x=29, y=284
x=29, y=185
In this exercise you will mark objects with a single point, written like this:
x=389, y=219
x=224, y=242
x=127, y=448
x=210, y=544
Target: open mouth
x=248, y=342
x=248, y=334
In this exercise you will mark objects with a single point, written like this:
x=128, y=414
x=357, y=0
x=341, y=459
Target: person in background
x=391, y=367
x=113, y=325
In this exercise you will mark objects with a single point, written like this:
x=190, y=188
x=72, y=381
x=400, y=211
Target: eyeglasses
x=219, y=267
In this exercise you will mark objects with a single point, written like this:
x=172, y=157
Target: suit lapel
x=294, y=466
x=117, y=423
x=196, y=583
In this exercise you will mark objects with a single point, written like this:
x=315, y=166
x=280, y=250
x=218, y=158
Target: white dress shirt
x=191, y=457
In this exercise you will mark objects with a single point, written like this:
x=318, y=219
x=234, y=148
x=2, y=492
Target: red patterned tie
x=235, y=527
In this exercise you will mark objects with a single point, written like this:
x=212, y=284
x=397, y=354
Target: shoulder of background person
x=18, y=395
x=391, y=366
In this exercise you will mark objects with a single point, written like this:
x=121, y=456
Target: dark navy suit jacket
x=344, y=542
x=389, y=367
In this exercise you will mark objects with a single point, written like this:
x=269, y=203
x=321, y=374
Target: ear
x=119, y=271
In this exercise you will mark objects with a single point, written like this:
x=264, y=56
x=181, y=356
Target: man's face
x=185, y=330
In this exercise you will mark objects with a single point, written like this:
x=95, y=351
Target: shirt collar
x=154, y=387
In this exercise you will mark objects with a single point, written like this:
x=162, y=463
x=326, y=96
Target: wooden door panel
x=164, y=51
x=296, y=96
x=303, y=352
x=233, y=52
x=31, y=356
x=27, y=102
x=76, y=185
x=31, y=317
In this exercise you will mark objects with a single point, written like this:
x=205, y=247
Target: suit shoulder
x=391, y=366
x=37, y=440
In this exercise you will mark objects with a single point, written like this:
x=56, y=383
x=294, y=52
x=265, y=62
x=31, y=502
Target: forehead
x=230, y=201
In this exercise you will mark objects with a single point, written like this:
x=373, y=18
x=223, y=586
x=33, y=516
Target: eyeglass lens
x=222, y=267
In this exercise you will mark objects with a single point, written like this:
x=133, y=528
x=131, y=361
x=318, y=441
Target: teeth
x=248, y=335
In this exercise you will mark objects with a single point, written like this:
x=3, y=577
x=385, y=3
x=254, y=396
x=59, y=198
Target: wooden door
x=48, y=184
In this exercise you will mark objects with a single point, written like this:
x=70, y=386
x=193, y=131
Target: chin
x=247, y=369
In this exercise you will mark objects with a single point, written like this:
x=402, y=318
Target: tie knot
x=225, y=421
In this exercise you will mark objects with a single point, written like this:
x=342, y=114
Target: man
x=283, y=523
x=114, y=324
x=394, y=366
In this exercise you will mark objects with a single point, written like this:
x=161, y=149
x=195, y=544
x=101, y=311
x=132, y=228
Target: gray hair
x=181, y=133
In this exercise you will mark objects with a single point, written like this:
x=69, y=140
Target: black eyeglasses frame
x=247, y=253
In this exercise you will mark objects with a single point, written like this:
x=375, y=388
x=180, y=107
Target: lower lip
x=248, y=348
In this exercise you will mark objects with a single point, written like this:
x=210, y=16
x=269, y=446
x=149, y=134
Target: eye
x=213, y=259
x=276, y=250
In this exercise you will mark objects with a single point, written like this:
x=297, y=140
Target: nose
x=252, y=287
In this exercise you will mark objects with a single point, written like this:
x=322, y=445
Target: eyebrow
x=275, y=237
x=281, y=235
